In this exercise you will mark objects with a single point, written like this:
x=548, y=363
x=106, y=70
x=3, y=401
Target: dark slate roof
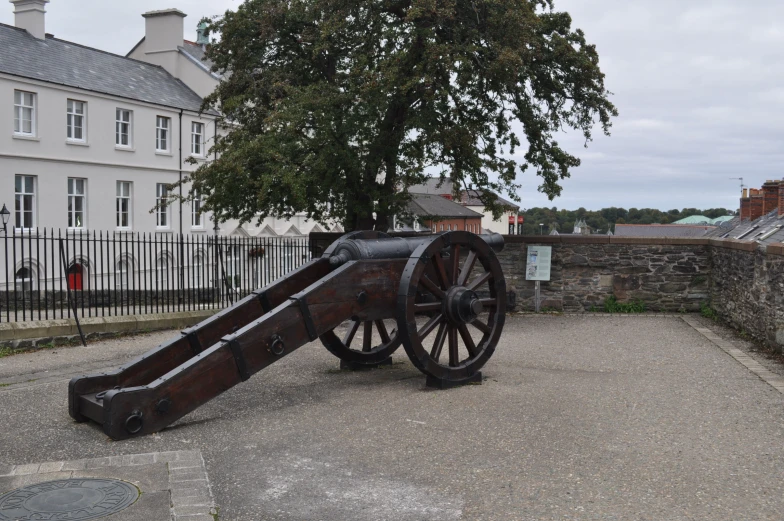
x=65, y=63
x=472, y=198
x=767, y=229
x=428, y=205
x=660, y=230
x=197, y=54
x=432, y=185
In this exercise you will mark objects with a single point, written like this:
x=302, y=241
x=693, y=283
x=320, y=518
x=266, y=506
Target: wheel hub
x=462, y=305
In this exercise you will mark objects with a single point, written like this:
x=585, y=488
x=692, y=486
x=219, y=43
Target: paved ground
x=637, y=418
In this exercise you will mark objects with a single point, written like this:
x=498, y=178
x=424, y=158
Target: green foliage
x=335, y=107
x=6, y=351
x=601, y=220
x=611, y=305
x=699, y=280
x=707, y=311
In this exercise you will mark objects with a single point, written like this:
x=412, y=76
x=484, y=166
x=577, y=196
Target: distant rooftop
x=428, y=205
x=661, y=230
x=65, y=63
x=701, y=219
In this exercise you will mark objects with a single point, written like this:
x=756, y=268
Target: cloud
x=698, y=84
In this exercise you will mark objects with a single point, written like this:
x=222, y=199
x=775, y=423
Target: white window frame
x=73, y=197
x=121, y=270
x=162, y=221
x=162, y=134
x=197, y=139
x=197, y=216
x=125, y=196
x=19, y=202
x=19, y=111
x=118, y=127
x=71, y=118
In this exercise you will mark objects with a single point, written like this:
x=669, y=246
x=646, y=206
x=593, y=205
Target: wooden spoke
x=430, y=326
x=367, y=337
x=382, y=331
x=455, y=263
x=468, y=265
x=481, y=280
x=454, y=353
x=438, y=345
x=441, y=271
x=481, y=326
x=427, y=306
x=489, y=302
x=352, y=330
x=431, y=286
x=467, y=340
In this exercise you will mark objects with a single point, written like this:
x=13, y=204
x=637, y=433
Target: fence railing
x=49, y=274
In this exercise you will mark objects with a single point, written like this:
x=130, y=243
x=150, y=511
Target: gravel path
x=638, y=418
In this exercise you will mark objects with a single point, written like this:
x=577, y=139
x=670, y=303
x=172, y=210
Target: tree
x=335, y=107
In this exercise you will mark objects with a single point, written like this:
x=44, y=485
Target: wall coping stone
x=11, y=331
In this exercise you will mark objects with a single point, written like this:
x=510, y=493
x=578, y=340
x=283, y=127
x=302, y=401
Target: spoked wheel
x=451, y=306
x=363, y=343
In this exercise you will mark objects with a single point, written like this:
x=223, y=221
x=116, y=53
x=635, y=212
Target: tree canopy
x=334, y=107
x=606, y=218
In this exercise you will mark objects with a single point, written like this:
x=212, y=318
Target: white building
x=92, y=140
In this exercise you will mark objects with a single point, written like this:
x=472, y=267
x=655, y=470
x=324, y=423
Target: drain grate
x=72, y=499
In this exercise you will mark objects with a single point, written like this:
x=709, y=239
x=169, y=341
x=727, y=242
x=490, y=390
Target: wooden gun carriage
x=449, y=284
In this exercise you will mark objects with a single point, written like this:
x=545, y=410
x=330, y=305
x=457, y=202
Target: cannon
x=443, y=297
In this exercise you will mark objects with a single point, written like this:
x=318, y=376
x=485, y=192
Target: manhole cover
x=72, y=499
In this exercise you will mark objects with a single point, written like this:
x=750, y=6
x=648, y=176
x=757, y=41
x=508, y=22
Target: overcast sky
x=699, y=85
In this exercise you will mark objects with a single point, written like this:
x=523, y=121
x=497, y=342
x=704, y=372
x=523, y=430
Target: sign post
x=537, y=268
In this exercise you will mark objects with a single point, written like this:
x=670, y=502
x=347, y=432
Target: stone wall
x=665, y=274
x=747, y=288
x=742, y=281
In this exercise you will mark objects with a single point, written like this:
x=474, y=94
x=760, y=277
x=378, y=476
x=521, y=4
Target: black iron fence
x=50, y=274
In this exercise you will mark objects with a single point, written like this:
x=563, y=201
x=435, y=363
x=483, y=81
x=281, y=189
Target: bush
x=611, y=305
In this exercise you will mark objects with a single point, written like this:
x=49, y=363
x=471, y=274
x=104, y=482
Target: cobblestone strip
x=189, y=485
x=769, y=377
x=191, y=492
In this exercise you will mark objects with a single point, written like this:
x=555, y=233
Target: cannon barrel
x=392, y=247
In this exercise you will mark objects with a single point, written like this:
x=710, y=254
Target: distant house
x=434, y=213
x=581, y=228
x=472, y=199
x=661, y=230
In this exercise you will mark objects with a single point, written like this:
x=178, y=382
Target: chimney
x=770, y=196
x=781, y=198
x=755, y=206
x=30, y=15
x=745, y=205
x=164, y=34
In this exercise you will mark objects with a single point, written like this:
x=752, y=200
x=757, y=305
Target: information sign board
x=537, y=266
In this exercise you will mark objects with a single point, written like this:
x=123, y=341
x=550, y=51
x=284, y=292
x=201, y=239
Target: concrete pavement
x=578, y=418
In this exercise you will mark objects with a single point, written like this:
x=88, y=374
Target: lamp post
x=541, y=228
x=5, y=214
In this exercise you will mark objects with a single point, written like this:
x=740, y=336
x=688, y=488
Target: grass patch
x=708, y=312
x=611, y=305
x=5, y=385
x=6, y=351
